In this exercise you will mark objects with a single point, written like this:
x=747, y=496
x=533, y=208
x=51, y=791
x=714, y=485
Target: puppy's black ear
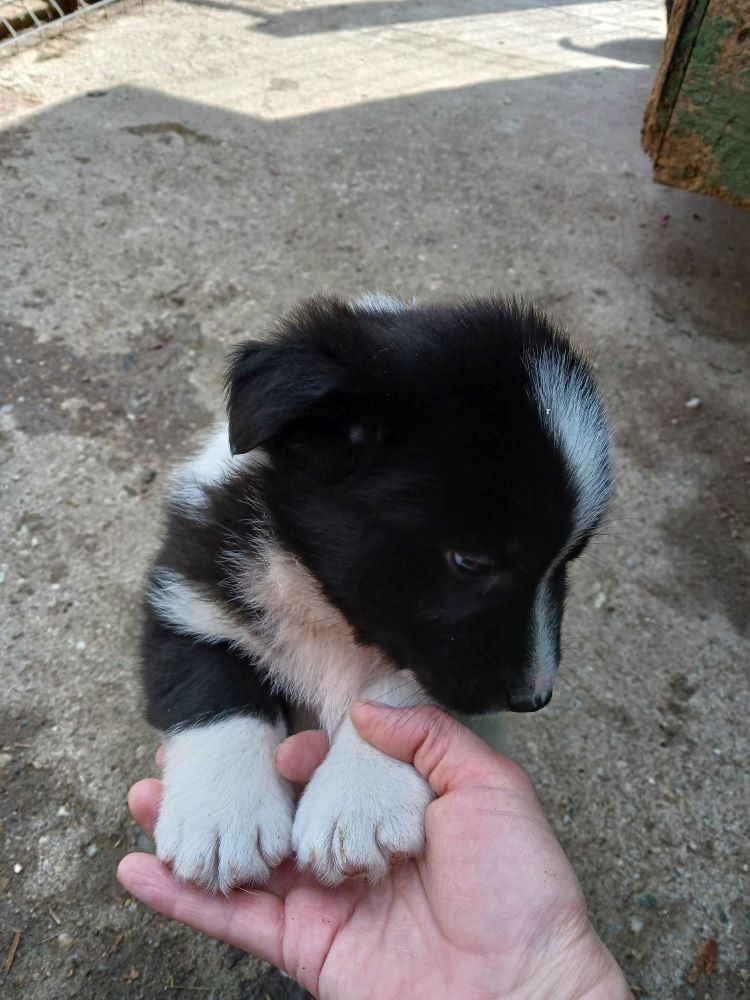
x=271, y=385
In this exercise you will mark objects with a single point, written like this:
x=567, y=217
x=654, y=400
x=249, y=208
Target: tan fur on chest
x=306, y=645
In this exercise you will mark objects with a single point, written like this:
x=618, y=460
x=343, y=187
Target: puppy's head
x=436, y=469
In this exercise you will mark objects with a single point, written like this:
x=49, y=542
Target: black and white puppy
x=389, y=513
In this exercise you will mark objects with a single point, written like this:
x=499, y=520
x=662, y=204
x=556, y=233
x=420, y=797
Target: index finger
x=299, y=755
x=447, y=754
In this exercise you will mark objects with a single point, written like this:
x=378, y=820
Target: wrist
x=578, y=966
x=611, y=984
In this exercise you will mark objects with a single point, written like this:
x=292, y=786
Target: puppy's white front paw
x=360, y=812
x=226, y=815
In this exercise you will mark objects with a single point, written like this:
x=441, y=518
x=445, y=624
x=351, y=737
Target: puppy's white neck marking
x=304, y=645
x=211, y=466
x=190, y=610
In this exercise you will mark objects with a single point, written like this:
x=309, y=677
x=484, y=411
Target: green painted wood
x=685, y=42
x=697, y=125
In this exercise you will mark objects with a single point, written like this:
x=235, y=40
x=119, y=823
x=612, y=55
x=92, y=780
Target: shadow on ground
x=374, y=14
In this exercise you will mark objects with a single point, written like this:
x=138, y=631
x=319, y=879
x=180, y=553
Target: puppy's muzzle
x=530, y=702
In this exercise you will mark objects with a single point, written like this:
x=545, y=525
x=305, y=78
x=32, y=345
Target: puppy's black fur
x=395, y=438
x=432, y=471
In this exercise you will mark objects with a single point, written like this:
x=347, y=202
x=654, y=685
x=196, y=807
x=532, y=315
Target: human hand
x=492, y=908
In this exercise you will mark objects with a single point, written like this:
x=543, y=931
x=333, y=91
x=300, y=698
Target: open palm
x=492, y=908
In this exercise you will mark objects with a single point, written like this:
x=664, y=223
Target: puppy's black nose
x=530, y=703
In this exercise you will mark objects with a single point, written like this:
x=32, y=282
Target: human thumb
x=447, y=754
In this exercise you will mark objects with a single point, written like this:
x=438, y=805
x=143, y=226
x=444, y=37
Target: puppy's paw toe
x=348, y=829
x=226, y=814
x=220, y=851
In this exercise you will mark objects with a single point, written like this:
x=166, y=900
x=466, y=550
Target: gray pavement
x=173, y=177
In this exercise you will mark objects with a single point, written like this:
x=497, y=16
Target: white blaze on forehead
x=574, y=417
x=379, y=302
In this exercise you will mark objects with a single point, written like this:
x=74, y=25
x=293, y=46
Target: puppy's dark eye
x=470, y=566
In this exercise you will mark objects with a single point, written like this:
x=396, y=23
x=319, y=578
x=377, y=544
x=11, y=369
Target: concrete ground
x=173, y=177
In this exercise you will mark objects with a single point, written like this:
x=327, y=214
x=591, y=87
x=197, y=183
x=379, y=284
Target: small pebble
x=636, y=925
x=91, y=850
x=17, y=868
x=693, y=404
x=65, y=941
x=5, y=759
x=80, y=645
x=647, y=901
x=600, y=600
x=62, y=811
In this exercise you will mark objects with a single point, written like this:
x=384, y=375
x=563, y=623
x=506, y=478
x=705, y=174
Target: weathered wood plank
x=697, y=124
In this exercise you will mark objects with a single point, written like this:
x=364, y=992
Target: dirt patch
x=68, y=929
x=705, y=444
x=139, y=395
